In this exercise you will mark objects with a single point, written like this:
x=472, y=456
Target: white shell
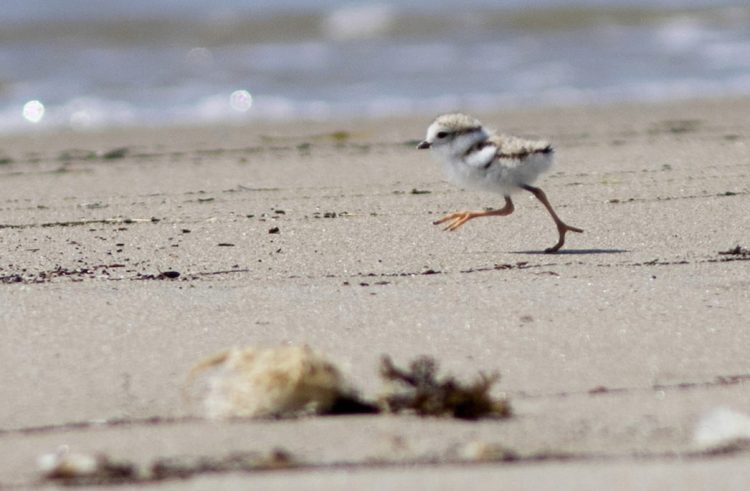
x=64, y=464
x=284, y=381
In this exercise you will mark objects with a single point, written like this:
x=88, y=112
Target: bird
x=476, y=157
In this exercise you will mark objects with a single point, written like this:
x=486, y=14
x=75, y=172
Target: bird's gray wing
x=512, y=147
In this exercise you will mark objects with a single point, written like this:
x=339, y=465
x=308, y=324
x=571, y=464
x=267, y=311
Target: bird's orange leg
x=455, y=220
x=562, y=227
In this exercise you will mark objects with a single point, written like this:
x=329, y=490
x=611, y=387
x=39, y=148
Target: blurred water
x=92, y=63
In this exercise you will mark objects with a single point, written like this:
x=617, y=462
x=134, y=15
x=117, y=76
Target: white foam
x=722, y=426
x=682, y=34
x=359, y=21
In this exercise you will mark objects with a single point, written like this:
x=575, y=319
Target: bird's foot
x=455, y=220
x=562, y=229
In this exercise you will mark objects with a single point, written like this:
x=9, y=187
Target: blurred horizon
x=61, y=10
x=86, y=64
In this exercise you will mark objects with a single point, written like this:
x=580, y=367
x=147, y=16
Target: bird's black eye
x=442, y=134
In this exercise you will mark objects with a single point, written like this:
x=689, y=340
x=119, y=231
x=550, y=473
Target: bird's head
x=453, y=134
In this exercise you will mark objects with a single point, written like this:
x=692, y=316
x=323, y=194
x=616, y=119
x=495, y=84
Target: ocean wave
x=372, y=60
x=93, y=114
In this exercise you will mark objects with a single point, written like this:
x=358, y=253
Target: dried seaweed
x=85, y=469
x=186, y=467
x=737, y=251
x=419, y=390
x=75, y=469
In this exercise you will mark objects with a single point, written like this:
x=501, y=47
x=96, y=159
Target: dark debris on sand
x=100, y=470
x=419, y=390
x=737, y=251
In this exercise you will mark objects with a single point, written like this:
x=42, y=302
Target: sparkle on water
x=241, y=100
x=33, y=111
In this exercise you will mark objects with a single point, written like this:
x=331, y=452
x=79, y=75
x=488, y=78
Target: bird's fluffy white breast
x=503, y=175
x=508, y=175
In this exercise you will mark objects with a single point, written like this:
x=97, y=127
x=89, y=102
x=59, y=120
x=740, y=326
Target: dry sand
x=610, y=352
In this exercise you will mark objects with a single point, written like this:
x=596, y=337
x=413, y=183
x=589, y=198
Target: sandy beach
x=611, y=352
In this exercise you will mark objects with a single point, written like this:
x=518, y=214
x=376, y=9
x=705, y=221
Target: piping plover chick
x=476, y=157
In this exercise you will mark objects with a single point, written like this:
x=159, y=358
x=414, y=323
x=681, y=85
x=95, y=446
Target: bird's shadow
x=574, y=252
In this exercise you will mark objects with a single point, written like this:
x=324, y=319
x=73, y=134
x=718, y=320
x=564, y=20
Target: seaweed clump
x=419, y=390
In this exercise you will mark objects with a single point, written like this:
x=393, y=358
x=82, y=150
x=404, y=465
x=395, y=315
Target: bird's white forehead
x=450, y=123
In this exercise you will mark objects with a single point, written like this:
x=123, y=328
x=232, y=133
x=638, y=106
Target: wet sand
x=610, y=352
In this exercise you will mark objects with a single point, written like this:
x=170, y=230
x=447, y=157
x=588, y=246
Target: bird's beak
x=423, y=145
